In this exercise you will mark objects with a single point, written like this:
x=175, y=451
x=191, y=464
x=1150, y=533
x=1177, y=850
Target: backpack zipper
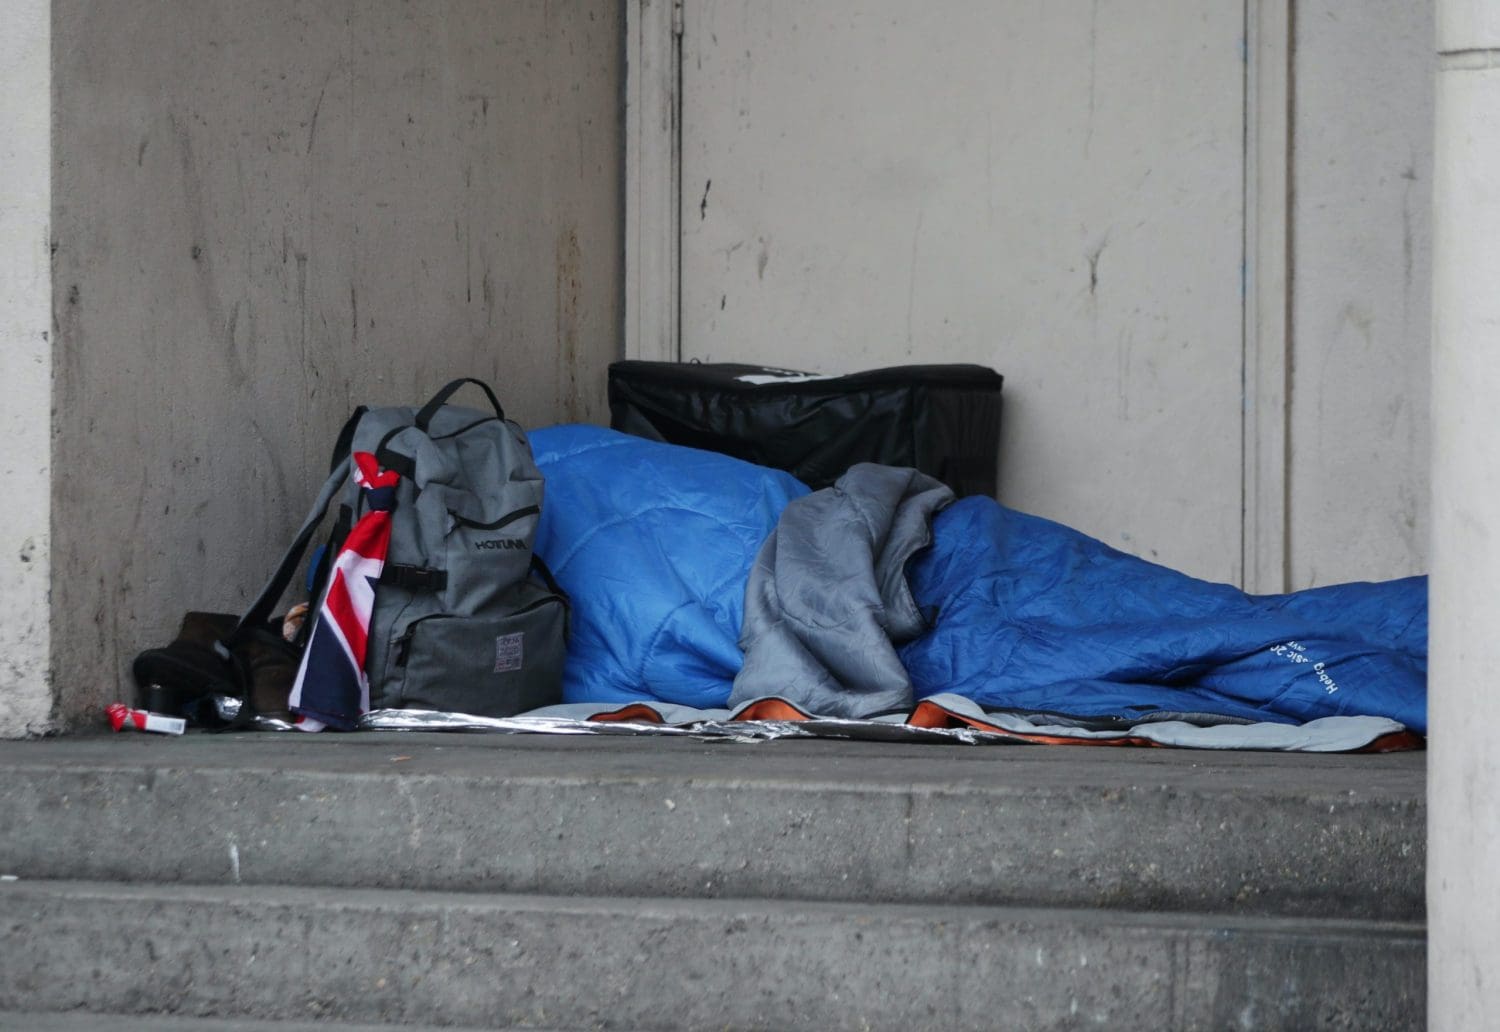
x=403, y=643
x=503, y=521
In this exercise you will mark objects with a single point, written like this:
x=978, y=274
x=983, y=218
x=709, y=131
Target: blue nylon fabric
x=655, y=542
x=1034, y=615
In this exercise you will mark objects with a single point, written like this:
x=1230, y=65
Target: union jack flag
x=332, y=688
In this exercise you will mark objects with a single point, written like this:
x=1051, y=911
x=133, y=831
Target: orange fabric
x=636, y=712
x=772, y=709
x=1396, y=741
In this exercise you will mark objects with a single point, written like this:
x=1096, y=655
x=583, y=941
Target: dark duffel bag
x=941, y=419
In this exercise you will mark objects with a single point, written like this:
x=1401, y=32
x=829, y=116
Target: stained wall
x=267, y=212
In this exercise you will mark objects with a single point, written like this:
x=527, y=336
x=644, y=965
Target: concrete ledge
x=441, y=958
x=1143, y=829
x=83, y=1021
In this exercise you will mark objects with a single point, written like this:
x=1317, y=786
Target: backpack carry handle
x=441, y=398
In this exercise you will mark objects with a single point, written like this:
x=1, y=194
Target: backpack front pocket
x=487, y=666
x=486, y=559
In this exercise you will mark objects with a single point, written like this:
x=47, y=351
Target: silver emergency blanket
x=942, y=718
x=1328, y=734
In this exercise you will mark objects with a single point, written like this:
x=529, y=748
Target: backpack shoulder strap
x=345, y=441
x=260, y=611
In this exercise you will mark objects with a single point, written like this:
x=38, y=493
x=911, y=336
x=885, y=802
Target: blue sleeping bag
x=655, y=542
x=1036, y=616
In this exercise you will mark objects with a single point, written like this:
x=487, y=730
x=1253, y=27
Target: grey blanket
x=827, y=601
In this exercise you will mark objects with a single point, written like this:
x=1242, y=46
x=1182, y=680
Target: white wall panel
x=1054, y=190
x=1361, y=308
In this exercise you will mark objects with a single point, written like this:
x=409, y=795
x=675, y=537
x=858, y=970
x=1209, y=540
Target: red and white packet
x=122, y=716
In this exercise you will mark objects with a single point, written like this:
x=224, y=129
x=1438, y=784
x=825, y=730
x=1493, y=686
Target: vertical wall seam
x=653, y=86
x=1266, y=288
x=679, y=33
x=1247, y=325
x=1289, y=323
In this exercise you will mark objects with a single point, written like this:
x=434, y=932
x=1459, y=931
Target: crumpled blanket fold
x=827, y=600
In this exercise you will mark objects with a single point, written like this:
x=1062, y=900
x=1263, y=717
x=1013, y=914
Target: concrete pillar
x=1463, y=879
x=25, y=365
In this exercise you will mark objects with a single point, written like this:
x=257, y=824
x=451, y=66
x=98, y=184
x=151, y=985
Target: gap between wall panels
x=1267, y=325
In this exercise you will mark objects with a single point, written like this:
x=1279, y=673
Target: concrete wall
x=25, y=364
x=267, y=212
x=1361, y=267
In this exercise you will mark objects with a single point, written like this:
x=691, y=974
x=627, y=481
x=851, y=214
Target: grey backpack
x=465, y=618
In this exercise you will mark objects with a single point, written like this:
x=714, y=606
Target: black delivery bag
x=942, y=419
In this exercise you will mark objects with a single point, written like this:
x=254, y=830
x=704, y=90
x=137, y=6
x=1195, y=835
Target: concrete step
x=389, y=956
x=84, y=1021
x=1136, y=829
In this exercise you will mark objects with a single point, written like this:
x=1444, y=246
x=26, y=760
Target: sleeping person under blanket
x=656, y=544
